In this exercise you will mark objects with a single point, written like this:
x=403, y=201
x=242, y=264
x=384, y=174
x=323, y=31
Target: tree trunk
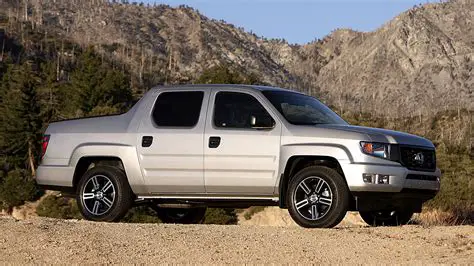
x=26, y=10
x=142, y=66
x=31, y=159
x=3, y=49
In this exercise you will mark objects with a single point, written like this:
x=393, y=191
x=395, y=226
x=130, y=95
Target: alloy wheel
x=98, y=195
x=313, y=198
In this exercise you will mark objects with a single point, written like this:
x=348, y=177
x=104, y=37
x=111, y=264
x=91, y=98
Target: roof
x=233, y=86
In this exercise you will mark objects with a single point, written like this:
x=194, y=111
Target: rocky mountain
x=418, y=63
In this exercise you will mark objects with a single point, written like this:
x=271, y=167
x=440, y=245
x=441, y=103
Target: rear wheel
x=386, y=218
x=180, y=215
x=103, y=194
x=317, y=197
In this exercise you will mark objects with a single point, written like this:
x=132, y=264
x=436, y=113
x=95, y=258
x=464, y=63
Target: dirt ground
x=43, y=240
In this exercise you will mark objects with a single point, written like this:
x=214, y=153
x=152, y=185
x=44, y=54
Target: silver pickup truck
x=181, y=149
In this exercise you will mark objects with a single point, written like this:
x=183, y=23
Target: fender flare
x=126, y=153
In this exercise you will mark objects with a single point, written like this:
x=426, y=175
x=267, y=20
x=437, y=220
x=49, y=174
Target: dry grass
x=433, y=217
x=248, y=213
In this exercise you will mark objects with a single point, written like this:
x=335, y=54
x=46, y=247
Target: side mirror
x=263, y=122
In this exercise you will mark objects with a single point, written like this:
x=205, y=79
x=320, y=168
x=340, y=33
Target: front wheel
x=386, y=218
x=180, y=215
x=103, y=194
x=318, y=197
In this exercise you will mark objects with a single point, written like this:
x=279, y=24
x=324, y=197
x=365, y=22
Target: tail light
x=44, y=145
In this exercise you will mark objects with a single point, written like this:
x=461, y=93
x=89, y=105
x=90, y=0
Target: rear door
x=170, y=142
x=242, y=144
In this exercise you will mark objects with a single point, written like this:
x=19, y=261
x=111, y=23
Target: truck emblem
x=419, y=158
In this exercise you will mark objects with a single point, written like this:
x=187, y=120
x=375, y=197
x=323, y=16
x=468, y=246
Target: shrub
x=54, y=206
x=58, y=207
x=455, y=194
x=103, y=110
x=220, y=216
x=252, y=211
x=16, y=188
x=436, y=217
x=141, y=214
x=144, y=214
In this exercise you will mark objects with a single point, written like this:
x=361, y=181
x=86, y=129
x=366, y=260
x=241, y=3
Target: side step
x=176, y=201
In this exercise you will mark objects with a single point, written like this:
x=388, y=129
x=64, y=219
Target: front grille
x=419, y=159
x=422, y=177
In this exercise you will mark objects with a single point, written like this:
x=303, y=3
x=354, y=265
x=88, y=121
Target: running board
x=177, y=197
x=209, y=201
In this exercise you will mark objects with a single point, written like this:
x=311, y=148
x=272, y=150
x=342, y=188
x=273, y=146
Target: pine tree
x=49, y=91
x=84, y=82
x=20, y=116
x=220, y=75
x=94, y=84
x=224, y=75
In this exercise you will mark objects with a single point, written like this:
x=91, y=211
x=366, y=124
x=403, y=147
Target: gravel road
x=41, y=240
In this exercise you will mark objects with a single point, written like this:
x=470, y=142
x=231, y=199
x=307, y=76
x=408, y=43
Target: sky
x=299, y=21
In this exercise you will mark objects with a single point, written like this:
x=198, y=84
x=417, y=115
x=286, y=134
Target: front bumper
x=405, y=200
x=398, y=181
x=401, y=193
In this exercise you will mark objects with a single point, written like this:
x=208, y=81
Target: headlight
x=376, y=149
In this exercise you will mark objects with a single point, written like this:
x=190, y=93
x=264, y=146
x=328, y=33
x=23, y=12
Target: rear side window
x=178, y=109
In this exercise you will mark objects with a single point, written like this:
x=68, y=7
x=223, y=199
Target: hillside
x=176, y=44
x=419, y=62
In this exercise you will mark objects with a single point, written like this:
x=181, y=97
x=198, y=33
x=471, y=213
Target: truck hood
x=383, y=135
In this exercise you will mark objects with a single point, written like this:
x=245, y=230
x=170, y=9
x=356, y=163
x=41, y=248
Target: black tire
x=386, y=218
x=113, y=203
x=324, y=216
x=180, y=215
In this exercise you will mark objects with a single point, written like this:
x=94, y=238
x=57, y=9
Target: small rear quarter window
x=178, y=109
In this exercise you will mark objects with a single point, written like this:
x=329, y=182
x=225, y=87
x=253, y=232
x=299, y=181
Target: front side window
x=178, y=109
x=240, y=110
x=300, y=109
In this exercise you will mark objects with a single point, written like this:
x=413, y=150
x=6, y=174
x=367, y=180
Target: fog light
x=368, y=178
x=375, y=178
x=382, y=179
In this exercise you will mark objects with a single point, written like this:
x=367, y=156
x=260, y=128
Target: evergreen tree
x=95, y=84
x=114, y=90
x=224, y=75
x=49, y=92
x=3, y=68
x=219, y=75
x=20, y=116
x=84, y=81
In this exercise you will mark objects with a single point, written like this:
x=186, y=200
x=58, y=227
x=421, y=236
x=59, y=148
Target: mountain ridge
x=416, y=63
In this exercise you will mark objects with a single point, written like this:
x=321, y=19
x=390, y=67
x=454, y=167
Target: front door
x=242, y=144
x=170, y=142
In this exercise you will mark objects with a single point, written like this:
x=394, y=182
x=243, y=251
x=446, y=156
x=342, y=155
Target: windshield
x=300, y=109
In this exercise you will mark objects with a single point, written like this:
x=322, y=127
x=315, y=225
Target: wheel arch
x=88, y=162
x=298, y=162
x=124, y=157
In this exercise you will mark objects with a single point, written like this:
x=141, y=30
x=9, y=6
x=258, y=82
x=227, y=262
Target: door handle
x=147, y=141
x=214, y=142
